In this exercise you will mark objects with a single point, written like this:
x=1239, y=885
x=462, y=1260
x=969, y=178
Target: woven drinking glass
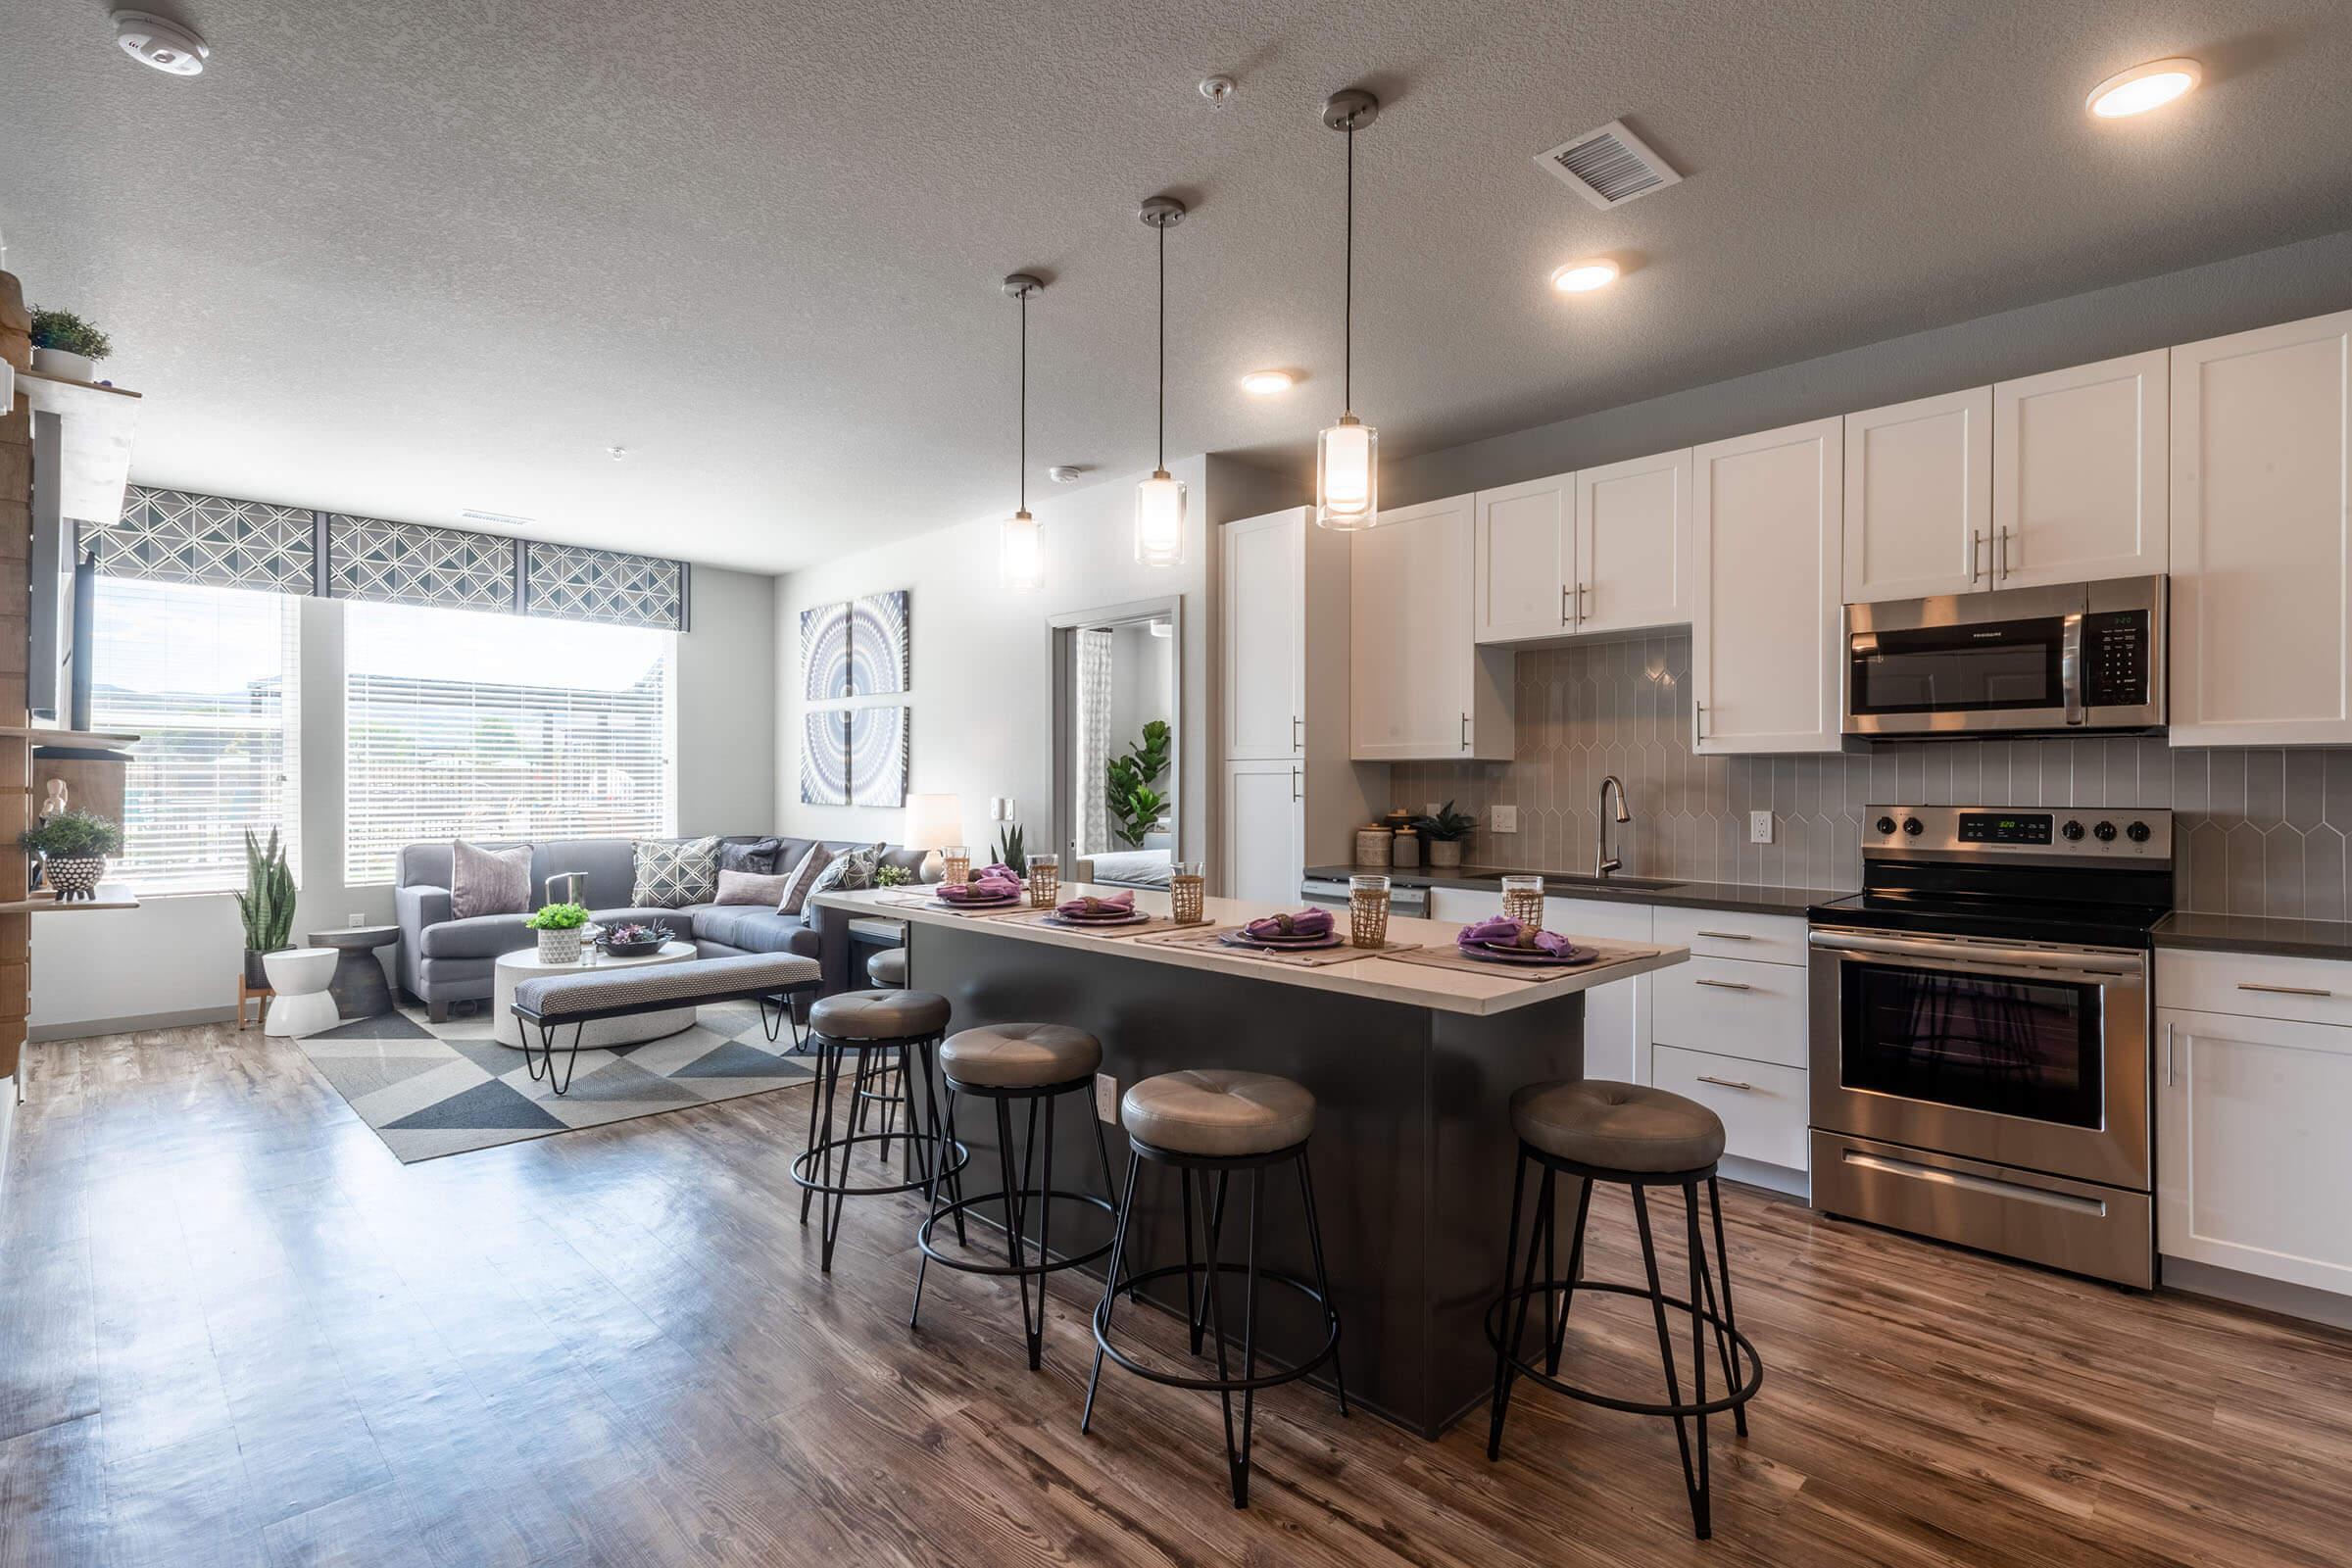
x=1044, y=881
x=1188, y=892
x=1523, y=899
x=958, y=859
x=1368, y=911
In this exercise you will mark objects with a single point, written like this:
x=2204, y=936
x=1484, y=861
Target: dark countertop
x=1740, y=898
x=2252, y=933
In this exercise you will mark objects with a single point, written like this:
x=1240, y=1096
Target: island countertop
x=1371, y=978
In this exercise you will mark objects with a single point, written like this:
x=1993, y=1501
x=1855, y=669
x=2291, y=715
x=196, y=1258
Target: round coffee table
x=359, y=987
x=513, y=968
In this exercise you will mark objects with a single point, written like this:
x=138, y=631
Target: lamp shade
x=934, y=821
x=1160, y=521
x=1348, y=475
x=1020, y=554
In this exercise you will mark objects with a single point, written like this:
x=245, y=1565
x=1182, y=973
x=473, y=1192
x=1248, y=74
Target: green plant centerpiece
x=72, y=846
x=1444, y=831
x=1130, y=785
x=560, y=927
x=892, y=876
x=266, y=906
x=1013, y=847
x=64, y=344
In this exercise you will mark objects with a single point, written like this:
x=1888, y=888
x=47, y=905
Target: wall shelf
x=39, y=736
x=110, y=896
x=98, y=426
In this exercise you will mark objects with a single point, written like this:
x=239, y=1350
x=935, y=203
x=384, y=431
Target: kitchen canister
x=1404, y=849
x=1372, y=845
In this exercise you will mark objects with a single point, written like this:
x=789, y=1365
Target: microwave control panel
x=2114, y=659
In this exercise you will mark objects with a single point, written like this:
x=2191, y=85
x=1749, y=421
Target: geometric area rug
x=432, y=1089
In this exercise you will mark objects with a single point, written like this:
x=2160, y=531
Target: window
x=461, y=725
x=208, y=679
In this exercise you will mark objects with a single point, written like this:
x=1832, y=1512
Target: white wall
x=1140, y=681
x=175, y=959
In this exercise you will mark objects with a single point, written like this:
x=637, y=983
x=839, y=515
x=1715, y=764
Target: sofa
x=445, y=960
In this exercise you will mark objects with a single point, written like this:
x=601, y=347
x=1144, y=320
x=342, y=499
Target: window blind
x=208, y=679
x=485, y=727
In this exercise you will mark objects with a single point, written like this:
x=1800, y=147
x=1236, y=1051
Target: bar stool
x=888, y=968
x=1036, y=1063
x=1639, y=1138
x=1214, y=1123
x=883, y=1085
x=879, y=1027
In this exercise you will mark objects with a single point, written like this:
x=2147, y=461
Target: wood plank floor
x=235, y=1329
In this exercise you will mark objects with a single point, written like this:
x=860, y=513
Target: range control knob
x=2072, y=831
x=1913, y=827
x=2137, y=832
x=2104, y=832
x=1885, y=824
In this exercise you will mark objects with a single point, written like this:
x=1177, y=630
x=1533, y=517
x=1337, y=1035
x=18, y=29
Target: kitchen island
x=1413, y=1069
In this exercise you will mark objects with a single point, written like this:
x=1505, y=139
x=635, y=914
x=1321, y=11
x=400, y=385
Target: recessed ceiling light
x=1583, y=277
x=1265, y=383
x=2144, y=87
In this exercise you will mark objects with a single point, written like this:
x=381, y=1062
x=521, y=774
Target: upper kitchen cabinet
x=1633, y=525
x=2261, y=540
x=1421, y=689
x=2078, y=486
x=1767, y=540
x=1523, y=561
x=1919, y=498
x=1264, y=615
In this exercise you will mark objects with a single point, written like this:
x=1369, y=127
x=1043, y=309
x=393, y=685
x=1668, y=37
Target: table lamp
x=933, y=822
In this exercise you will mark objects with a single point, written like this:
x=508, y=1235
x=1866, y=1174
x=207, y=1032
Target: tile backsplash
x=2262, y=831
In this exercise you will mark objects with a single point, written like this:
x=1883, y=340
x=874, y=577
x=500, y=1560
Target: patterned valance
x=173, y=536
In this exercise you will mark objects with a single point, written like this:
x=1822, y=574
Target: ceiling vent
x=1608, y=167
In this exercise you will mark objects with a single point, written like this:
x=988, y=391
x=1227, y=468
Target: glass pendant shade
x=1020, y=554
x=1160, y=521
x=1348, y=475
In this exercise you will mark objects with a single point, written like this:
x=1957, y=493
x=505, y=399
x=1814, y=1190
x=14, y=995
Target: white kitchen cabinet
x=1264, y=820
x=1764, y=1107
x=1767, y=534
x=1421, y=688
x=2080, y=489
x=1264, y=615
x=1919, y=498
x=2253, y=1168
x=2262, y=537
x=1632, y=556
x=1523, y=558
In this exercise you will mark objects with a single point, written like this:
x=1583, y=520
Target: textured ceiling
x=409, y=258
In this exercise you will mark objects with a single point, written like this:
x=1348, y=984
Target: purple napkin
x=999, y=872
x=1118, y=904
x=980, y=890
x=1500, y=930
x=1304, y=923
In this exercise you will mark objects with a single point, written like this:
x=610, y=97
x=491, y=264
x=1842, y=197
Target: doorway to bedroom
x=1118, y=689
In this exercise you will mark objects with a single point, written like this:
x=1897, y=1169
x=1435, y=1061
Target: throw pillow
x=757, y=855
x=749, y=887
x=672, y=874
x=800, y=880
x=488, y=881
x=849, y=871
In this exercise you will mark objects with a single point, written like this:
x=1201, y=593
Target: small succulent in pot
x=892, y=876
x=1444, y=831
x=67, y=345
x=558, y=927
x=74, y=846
x=631, y=939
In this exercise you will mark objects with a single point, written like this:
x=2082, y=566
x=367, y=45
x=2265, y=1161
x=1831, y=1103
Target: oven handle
x=1975, y=956
x=2070, y=665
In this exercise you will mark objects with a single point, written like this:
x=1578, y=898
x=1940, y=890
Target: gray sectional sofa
x=445, y=960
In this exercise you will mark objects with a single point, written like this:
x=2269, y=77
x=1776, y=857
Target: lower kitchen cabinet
x=1265, y=831
x=1763, y=1106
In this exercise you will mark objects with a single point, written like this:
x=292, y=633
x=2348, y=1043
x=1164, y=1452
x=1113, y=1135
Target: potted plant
x=66, y=346
x=558, y=927
x=74, y=846
x=1136, y=807
x=1444, y=833
x=266, y=907
x=1013, y=845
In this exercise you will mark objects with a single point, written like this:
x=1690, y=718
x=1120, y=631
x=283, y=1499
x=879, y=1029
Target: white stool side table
x=300, y=976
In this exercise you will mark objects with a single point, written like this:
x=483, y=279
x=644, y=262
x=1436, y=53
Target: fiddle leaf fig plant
x=1129, y=785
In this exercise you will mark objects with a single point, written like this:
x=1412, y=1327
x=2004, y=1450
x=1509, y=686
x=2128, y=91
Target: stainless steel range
x=1979, y=1024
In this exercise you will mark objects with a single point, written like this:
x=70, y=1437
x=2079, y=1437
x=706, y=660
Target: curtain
x=1094, y=740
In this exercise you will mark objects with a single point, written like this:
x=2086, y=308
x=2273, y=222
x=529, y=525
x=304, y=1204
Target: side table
x=359, y=987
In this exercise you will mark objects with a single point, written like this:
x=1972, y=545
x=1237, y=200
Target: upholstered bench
x=550, y=1002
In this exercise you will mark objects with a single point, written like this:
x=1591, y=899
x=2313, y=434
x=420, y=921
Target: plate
x=1125, y=917
x=977, y=903
x=1237, y=939
x=1513, y=955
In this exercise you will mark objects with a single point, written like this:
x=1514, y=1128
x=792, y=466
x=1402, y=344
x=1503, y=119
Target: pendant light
x=1347, y=454
x=1020, y=552
x=1159, y=500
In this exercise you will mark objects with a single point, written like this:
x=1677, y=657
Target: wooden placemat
x=1310, y=958
x=1451, y=959
x=1158, y=923
x=918, y=901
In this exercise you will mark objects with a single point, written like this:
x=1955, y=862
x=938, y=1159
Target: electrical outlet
x=1430, y=807
x=358, y=919
x=1759, y=827
x=1506, y=820
x=1106, y=1098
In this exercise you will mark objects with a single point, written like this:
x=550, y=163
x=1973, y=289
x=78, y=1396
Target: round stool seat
x=1614, y=1126
x=1019, y=1056
x=879, y=1015
x=888, y=967
x=1217, y=1111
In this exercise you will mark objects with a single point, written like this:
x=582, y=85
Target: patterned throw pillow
x=757, y=855
x=849, y=871
x=488, y=881
x=802, y=879
x=672, y=874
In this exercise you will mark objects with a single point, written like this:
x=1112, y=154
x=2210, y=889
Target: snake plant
x=266, y=906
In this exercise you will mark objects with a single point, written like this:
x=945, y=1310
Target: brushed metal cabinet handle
x=2002, y=560
x=2283, y=991
x=1567, y=612
x=1698, y=722
x=2168, y=1056
x=1297, y=724
x=1975, y=543
x=1296, y=792
x=1723, y=985
x=1727, y=1083
x=1726, y=936
x=1465, y=732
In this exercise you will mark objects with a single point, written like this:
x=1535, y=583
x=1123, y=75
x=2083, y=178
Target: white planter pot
x=559, y=947
x=65, y=367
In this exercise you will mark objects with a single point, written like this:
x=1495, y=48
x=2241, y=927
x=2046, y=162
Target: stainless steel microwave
x=2064, y=660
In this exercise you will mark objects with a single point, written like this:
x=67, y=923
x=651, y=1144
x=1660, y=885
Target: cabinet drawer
x=1750, y=1012
x=1756, y=938
x=2255, y=985
x=1763, y=1106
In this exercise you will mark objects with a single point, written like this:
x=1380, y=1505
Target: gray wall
x=726, y=734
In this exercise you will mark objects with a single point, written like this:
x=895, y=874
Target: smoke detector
x=1608, y=167
x=164, y=44
x=1066, y=472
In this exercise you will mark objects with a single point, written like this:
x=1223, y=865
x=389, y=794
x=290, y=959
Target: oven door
x=2028, y=1055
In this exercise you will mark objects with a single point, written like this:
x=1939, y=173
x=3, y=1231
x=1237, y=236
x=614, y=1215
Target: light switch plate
x=1106, y=1098
x=1759, y=827
x=1506, y=820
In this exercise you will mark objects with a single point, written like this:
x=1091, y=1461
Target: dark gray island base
x=1412, y=1146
